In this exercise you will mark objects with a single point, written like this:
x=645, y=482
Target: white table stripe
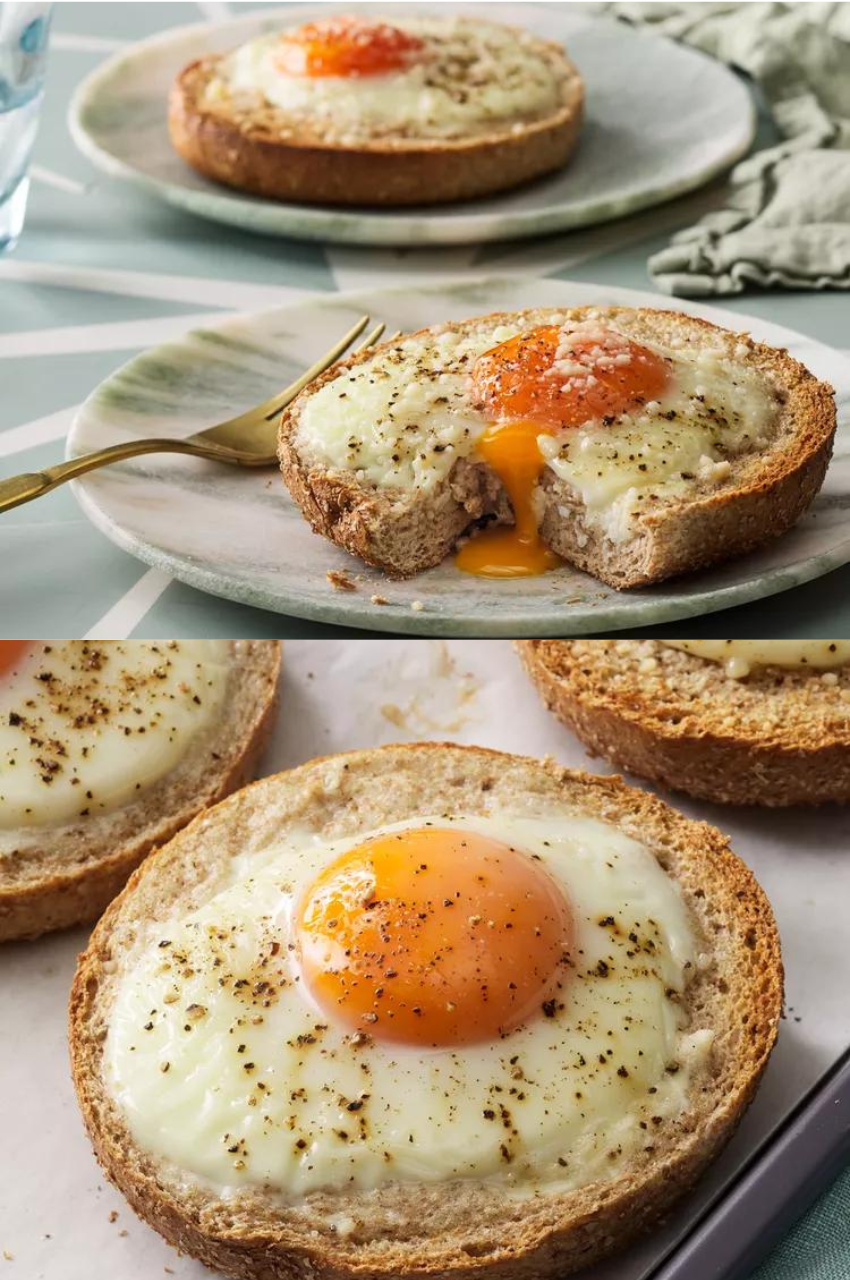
x=126, y=614
x=195, y=290
x=85, y=44
x=353, y=269
x=551, y=254
x=215, y=10
x=125, y=336
x=50, y=178
x=54, y=426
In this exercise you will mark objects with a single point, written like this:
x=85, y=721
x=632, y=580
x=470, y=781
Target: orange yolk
x=346, y=46
x=434, y=937
x=516, y=551
x=541, y=382
x=11, y=651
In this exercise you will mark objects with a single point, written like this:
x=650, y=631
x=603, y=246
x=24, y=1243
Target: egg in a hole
x=87, y=727
x=356, y=109
x=632, y=443
x=348, y=1018
x=106, y=749
x=462, y=996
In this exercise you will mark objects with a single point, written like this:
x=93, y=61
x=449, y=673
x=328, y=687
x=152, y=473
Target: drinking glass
x=24, y=30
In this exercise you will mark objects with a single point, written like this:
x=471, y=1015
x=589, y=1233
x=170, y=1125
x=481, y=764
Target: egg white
x=471, y=77
x=225, y=1069
x=403, y=419
x=740, y=657
x=85, y=727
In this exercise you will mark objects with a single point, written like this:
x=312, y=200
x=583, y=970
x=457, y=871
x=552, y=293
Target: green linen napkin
x=818, y=1247
x=787, y=222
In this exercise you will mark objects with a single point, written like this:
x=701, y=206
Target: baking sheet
x=59, y=1220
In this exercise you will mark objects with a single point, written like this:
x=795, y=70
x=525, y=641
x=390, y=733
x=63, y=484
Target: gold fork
x=248, y=440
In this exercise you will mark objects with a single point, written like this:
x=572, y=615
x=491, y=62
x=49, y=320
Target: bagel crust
x=460, y=1226
x=404, y=532
x=780, y=737
x=66, y=876
x=246, y=151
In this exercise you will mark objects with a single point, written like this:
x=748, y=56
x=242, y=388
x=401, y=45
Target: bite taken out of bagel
x=404, y=1012
x=636, y=445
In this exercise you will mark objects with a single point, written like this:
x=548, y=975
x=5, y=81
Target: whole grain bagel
x=262, y=149
x=454, y=1227
x=406, y=530
x=779, y=737
x=55, y=877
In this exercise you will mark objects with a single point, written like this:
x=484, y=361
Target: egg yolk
x=540, y=382
x=346, y=46
x=11, y=651
x=516, y=551
x=434, y=937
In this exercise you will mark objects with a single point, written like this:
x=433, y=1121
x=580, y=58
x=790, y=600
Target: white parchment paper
x=59, y=1220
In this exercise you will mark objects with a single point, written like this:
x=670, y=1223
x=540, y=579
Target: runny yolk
x=11, y=651
x=513, y=551
x=537, y=383
x=345, y=46
x=434, y=936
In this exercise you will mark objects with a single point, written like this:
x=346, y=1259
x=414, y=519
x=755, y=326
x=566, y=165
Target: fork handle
x=16, y=490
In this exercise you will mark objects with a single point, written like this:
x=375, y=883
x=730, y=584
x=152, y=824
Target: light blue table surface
x=101, y=272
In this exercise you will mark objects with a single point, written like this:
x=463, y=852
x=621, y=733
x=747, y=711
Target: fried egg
x=348, y=77
x=740, y=657
x=85, y=727
x=625, y=418
x=498, y=997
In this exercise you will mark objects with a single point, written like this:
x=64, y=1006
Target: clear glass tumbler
x=24, y=30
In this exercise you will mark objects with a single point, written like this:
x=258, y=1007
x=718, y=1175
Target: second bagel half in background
x=107, y=749
x=763, y=722
x=348, y=111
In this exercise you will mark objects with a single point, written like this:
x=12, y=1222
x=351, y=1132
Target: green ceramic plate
x=661, y=120
x=237, y=534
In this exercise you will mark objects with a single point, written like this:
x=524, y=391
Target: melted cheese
x=713, y=412
x=402, y=419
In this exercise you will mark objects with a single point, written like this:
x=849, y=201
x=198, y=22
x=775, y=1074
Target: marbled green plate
x=237, y=534
x=661, y=120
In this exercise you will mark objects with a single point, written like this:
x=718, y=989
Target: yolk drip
x=10, y=653
x=433, y=937
x=345, y=46
x=537, y=383
x=515, y=551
